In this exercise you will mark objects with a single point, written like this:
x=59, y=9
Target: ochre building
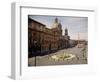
x=43, y=40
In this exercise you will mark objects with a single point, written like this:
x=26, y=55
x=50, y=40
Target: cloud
x=80, y=36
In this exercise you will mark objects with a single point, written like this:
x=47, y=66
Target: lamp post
x=35, y=61
x=35, y=51
x=78, y=40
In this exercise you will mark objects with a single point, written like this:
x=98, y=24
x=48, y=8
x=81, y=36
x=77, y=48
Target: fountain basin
x=63, y=57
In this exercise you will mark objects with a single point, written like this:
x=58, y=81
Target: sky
x=75, y=25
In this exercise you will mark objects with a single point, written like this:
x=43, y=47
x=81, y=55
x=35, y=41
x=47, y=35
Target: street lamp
x=35, y=51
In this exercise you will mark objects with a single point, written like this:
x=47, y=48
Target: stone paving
x=80, y=58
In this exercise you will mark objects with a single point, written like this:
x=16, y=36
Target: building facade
x=43, y=40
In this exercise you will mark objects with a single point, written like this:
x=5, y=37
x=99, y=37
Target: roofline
x=36, y=21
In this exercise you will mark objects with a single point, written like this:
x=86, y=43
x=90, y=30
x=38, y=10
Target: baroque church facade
x=43, y=40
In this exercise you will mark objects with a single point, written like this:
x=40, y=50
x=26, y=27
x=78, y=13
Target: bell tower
x=56, y=20
x=66, y=31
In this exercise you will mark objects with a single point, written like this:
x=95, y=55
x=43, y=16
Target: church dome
x=56, y=24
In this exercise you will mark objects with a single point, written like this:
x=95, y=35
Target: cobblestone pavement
x=80, y=58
